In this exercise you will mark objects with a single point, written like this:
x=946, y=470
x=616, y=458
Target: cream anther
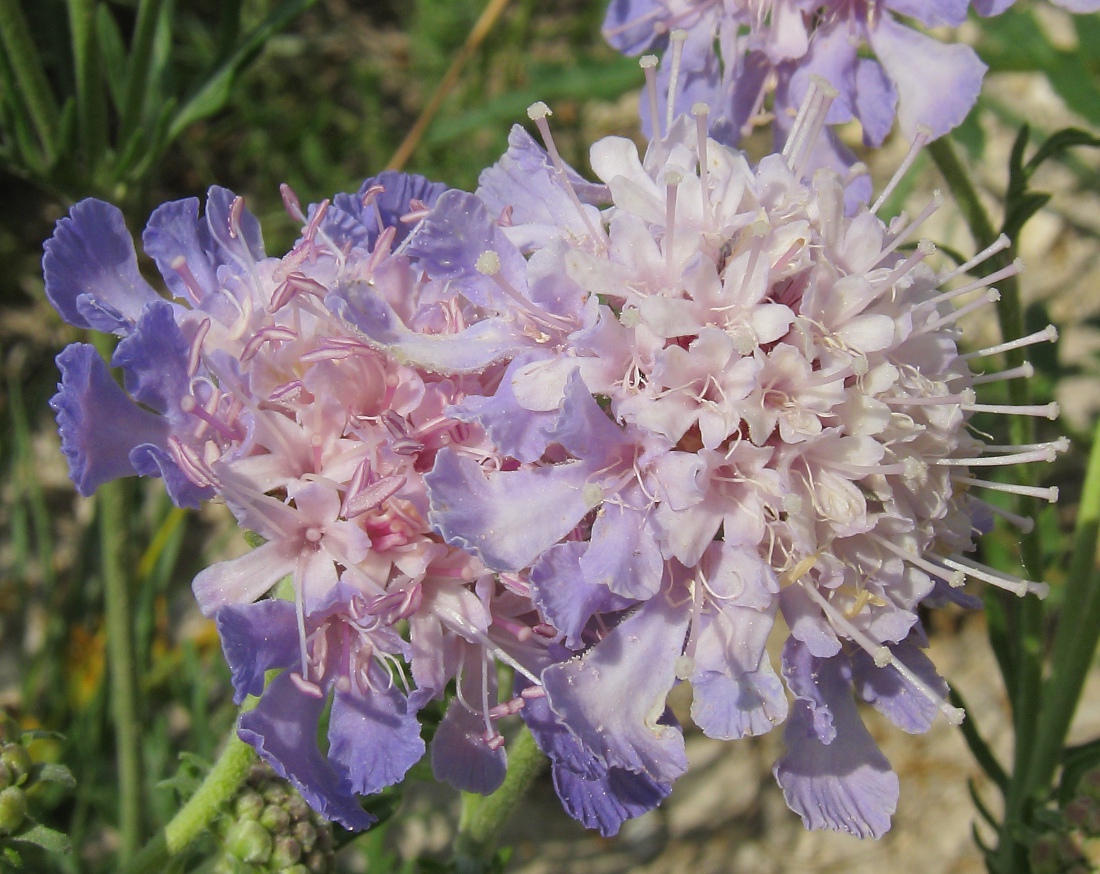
x=488, y=263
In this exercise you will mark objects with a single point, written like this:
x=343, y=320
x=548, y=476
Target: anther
x=194, y=353
x=291, y=204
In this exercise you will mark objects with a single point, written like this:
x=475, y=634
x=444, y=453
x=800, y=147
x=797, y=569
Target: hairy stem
x=484, y=816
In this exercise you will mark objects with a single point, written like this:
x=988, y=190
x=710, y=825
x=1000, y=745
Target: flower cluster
x=602, y=433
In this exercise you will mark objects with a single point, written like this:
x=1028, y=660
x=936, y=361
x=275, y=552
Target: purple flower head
x=763, y=411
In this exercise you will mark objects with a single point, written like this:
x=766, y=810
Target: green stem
x=23, y=58
x=1077, y=634
x=483, y=816
x=111, y=508
x=194, y=818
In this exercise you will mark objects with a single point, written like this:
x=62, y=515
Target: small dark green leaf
x=48, y=772
x=50, y=840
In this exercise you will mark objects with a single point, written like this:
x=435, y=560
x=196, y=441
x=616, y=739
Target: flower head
x=753, y=404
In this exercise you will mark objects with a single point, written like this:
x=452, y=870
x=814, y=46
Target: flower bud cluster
x=270, y=828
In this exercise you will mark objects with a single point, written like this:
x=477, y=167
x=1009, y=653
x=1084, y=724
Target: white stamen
x=648, y=63
x=882, y=655
x=1024, y=371
x=1024, y=523
x=999, y=245
x=672, y=181
x=1046, y=454
x=538, y=113
x=808, y=123
x=953, y=578
x=907, y=231
x=1048, y=494
x=1050, y=410
x=922, y=137
x=1048, y=335
x=1016, y=585
x=700, y=111
x=990, y=296
x=677, y=38
x=1012, y=269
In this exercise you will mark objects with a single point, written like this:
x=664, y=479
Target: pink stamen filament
x=538, y=113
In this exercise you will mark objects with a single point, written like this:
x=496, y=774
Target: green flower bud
x=249, y=805
x=6, y=776
x=306, y=835
x=275, y=819
x=296, y=869
x=249, y=841
x=297, y=808
x=18, y=762
x=286, y=853
x=13, y=809
x=275, y=793
x=318, y=862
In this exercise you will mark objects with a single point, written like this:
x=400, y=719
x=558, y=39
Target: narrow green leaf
x=1017, y=176
x=112, y=53
x=1021, y=208
x=138, y=68
x=229, y=29
x=25, y=63
x=980, y=805
x=1059, y=142
x=90, y=100
x=213, y=93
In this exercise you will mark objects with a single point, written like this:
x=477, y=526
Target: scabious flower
x=731, y=54
x=726, y=400
x=248, y=387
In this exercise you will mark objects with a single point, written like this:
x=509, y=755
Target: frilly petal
x=507, y=518
x=599, y=797
x=283, y=730
x=98, y=423
x=91, y=271
x=937, y=83
x=373, y=737
x=613, y=697
x=256, y=638
x=845, y=785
